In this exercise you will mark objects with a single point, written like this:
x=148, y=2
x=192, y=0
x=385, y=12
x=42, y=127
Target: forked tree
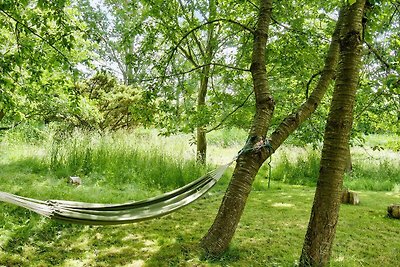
x=217, y=240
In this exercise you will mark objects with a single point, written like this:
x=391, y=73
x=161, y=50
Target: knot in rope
x=256, y=147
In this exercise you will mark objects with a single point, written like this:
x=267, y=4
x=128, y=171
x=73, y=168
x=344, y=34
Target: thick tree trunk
x=324, y=215
x=248, y=164
x=221, y=232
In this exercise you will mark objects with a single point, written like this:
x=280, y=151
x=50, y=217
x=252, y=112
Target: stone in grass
x=394, y=211
x=75, y=180
x=350, y=197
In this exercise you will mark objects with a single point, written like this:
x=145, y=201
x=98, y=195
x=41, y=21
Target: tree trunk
x=324, y=215
x=201, y=140
x=128, y=63
x=2, y=114
x=221, y=232
x=349, y=163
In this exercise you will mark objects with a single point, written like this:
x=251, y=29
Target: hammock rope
x=112, y=214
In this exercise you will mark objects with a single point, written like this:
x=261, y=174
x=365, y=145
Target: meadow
x=132, y=165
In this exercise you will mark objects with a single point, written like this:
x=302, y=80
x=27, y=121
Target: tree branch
x=194, y=35
x=378, y=56
x=230, y=114
x=198, y=27
x=310, y=81
x=37, y=35
x=191, y=70
x=291, y=122
x=254, y=5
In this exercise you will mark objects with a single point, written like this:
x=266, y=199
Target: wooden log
x=350, y=197
x=75, y=180
x=394, y=211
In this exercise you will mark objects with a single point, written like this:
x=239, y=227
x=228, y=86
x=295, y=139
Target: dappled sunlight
x=87, y=261
x=282, y=205
x=135, y=263
x=132, y=237
x=83, y=242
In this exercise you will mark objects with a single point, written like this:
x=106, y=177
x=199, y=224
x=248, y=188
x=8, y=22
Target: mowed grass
x=271, y=233
x=125, y=166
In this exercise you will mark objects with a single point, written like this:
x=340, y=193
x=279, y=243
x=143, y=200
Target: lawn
x=270, y=233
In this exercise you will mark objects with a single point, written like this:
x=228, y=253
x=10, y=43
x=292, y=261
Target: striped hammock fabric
x=111, y=214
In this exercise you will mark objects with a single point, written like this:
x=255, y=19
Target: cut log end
x=75, y=180
x=394, y=211
x=350, y=197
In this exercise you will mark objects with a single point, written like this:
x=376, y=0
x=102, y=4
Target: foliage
x=47, y=46
x=41, y=45
x=105, y=104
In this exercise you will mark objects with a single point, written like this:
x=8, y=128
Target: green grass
x=270, y=233
x=124, y=166
x=372, y=170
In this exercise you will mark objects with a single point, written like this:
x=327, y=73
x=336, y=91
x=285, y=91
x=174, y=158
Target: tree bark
x=325, y=212
x=217, y=240
x=129, y=79
x=221, y=232
x=2, y=114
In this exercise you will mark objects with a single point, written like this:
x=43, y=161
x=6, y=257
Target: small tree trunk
x=128, y=63
x=201, y=144
x=325, y=211
x=201, y=140
x=349, y=164
x=2, y=114
x=201, y=96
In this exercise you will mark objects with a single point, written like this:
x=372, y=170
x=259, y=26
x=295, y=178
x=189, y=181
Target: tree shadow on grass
x=186, y=251
x=30, y=240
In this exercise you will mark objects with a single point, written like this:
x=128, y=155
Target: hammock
x=111, y=214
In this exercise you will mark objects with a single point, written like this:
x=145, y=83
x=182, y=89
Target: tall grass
x=143, y=159
x=227, y=137
x=118, y=160
x=291, y=165
x=110, y=165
